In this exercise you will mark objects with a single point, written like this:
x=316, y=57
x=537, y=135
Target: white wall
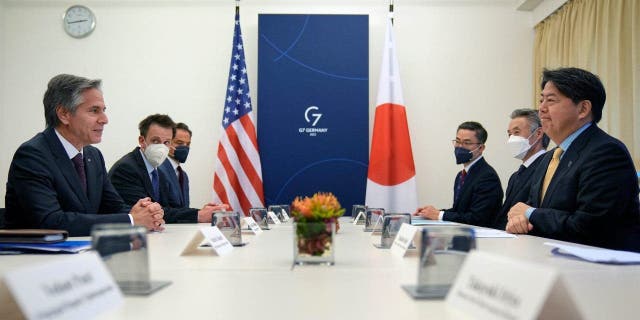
x=459, y=60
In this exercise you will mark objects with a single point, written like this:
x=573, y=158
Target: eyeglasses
x=457, y=143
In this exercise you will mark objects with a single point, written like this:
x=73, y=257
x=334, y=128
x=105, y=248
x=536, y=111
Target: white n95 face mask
x=156, y=154
x=518, y=146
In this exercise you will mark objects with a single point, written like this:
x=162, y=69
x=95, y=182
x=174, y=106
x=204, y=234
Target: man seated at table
x=136, y=174
x=586, y=190
x=528, y=143
x=177, y=178
x=477, y=193
x=57, y=180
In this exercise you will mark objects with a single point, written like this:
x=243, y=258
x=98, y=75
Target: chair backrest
x=2, y=210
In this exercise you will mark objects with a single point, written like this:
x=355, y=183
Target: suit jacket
x=44, y=189
x=130, y=178
x=593, y=195
x=480, y=197
x=518, y=189
x=179, y=196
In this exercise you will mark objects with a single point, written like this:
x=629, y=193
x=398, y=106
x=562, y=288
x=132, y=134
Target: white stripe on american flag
x=240, y=168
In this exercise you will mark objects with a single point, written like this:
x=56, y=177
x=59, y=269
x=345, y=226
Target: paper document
x=598, y=255
x=492, y=233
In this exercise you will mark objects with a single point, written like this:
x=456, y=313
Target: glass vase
x=313, y=242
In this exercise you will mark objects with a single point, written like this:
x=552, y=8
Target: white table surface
x=257, y=281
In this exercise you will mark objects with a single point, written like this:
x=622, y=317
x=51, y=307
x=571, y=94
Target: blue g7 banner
x=313, y=102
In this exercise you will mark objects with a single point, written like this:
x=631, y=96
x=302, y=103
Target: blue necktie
x=155, y=183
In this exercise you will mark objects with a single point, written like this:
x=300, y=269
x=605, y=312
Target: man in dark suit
x=136, y=174
x=57, y=180
x=477, y=193
x=528, y=143
x=177, y=177
x=586, y=190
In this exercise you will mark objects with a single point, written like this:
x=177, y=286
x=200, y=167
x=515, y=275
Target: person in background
x=528, y=143
x=177, y=177
x=136, y=174
x=585, y=190
x=57, y=180
x=477, y=193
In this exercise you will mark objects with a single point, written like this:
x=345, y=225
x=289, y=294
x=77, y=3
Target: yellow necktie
x=551, y=170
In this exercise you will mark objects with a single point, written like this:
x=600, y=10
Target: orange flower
x=321, y=206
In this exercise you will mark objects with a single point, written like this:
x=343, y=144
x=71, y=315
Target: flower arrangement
x=322, y=206
x=315, y=219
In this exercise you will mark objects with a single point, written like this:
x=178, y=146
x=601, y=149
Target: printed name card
x=76, y=287
x=253, y=226
x=273, y=217
x=490, y=286
x=403, y=240
x=214, y=238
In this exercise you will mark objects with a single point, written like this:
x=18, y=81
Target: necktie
x=180, y=177
x=551, y=170
x=463, y=175
x=155, y=183
x=79, y=164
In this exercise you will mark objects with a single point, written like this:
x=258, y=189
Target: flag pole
x=391, y=11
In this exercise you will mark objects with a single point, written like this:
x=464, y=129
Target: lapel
x=66, y=168
x=512, y=180
x=142, y=172
x=569, y=157
x=185, y=189
x=172, y=184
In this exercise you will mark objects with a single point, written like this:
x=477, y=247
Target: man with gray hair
x=528, y=143
x=57, y=180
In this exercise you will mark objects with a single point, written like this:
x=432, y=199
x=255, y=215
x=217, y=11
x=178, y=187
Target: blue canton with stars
x=238, y=101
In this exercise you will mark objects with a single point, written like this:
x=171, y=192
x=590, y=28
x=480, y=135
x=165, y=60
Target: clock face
x=79, y=21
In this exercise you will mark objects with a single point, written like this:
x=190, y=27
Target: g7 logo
x=317, y=116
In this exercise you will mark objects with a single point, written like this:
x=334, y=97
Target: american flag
x=237, y=180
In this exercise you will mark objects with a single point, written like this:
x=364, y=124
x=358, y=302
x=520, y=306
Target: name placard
x=403, y=240
x=253, y=226
x=490, y=286
x=75, y=287
x=285, y=216
x=214, y=238
x=273, y=217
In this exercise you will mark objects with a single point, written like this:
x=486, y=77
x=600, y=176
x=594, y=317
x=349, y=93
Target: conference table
x=258, y=281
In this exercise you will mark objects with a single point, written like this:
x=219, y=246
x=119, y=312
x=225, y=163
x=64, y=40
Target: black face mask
x=462, y=155
x=181, y=153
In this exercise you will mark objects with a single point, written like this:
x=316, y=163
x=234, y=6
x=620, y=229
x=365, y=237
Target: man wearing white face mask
x=528, y=143
x=137, y=172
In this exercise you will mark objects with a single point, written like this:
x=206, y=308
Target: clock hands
x=77, y=21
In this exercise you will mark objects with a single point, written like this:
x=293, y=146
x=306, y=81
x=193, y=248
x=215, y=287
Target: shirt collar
x=467, y=168
x=146, y=163
x=564, y=145
x=174, y=163
x=68, y=147
x=533, y=158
